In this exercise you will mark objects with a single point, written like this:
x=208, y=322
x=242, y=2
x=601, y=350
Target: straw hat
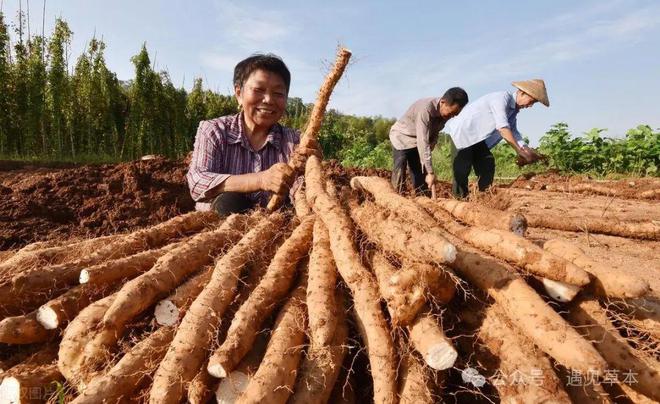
x=535, y=88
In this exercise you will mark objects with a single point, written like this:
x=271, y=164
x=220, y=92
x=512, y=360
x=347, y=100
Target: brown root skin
x=438, y=282
x=300, y=204
x=134, y=368
x=23, y=330
x=416, y=386
x=510, y=247
x=404, y=300
x=190, y=346
x=182, y=297
x=316, y=116
x=370, y=319
x=28, y=258
x=592, y=322
x=483, y=216
x=322, y=364
x=639, y=230
x=275, y=378
x=518, y=358
x=401, y=238
x=19, y=385
x=201, y=388
x=59, y=311
x=262, y=301
x=123, y=268
x=32, y=288
x=535, y=318
x=321, y=286
x=385, y=196
x=76, y=336
x=169, y=271
x=608, y=281
x=430, y=341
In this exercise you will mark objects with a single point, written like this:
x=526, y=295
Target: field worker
x=415, y=135
x=240, y=160
x=482, y=124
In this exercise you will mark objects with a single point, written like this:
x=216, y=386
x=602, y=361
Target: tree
x=58, y=92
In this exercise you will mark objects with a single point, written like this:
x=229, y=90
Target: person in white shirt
x=483, y=124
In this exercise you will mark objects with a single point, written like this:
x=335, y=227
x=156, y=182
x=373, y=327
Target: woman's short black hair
x=456, y=95
x=268, y=62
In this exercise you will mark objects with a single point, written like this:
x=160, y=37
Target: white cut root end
x=48, y=318
x=216, y=371
x=560, y=291
x=10, y=390
x=232, y=387
x=84, y=276
x=441, y=357
x=166, y=312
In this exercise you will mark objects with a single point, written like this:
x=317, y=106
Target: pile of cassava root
x=439, y=300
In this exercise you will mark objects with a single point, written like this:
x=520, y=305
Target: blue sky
x=600, y=59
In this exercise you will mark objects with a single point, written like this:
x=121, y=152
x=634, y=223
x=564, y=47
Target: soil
x=628, y=188
x=40, y=203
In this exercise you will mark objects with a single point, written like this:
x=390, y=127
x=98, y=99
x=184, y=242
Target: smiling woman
x=239, y=160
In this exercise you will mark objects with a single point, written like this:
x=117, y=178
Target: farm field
x=113, y=289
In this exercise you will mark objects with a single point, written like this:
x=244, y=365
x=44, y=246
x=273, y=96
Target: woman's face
x=263, y=99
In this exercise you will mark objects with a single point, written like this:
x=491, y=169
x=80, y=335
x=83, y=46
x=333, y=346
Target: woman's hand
x=277, y=179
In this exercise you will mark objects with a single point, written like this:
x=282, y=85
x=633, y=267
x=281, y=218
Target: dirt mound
x=89, y=201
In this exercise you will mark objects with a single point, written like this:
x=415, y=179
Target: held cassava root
x=273, y=286
x=608, y=282
x=189, y=348
x=318, y=111
x=370, y=318
x=510, y=247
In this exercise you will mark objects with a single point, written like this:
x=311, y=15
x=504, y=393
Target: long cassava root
x=608, y=281
x=316, y=116
x=510, y=247
x=371, y=321
x=188, y=350
x=273, y=287
x=483, y=216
